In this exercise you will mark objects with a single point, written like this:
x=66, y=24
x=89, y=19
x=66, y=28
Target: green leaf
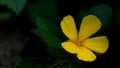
x=51, y=34
x=5, y=15
x=15, y=5
x=46, y=33
x=44, y=8
x=104, y=12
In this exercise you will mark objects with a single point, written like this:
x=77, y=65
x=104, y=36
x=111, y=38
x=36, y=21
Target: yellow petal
x=69, y=28
x=97, y=44
x=90, y=25
x=70, y=47
x=85, y=54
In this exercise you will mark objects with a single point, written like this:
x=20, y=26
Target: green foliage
x=5, y=15
x=43, y=8
x=15, y=5
x=46, y=33
x=45, y=15
x=50, y=33
x=104, y=12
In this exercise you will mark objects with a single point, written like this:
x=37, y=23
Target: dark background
x=65, y=7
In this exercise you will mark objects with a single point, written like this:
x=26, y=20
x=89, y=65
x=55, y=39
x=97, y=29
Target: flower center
x=79, y=44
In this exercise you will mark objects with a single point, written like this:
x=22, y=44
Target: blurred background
x=30, y=33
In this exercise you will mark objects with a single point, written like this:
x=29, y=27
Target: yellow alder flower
x=80, y=43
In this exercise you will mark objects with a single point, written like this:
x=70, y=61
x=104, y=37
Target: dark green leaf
x=104, y=12
x=5, y=15
x=15, y=5
x=51, y=34
x=43, y=8
x=46, y=33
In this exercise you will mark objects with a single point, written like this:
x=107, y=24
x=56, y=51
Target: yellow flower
x=80, y=43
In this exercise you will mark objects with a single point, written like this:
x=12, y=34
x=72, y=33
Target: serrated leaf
x=50, y=33
x=15, y=5
x=46, y=33
x=43, y=8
